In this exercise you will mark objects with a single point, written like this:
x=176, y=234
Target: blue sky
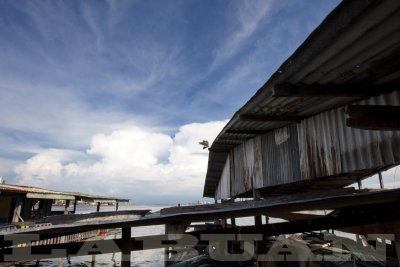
x=87, y=86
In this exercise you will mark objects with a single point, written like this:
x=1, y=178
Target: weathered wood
x=333, y=199
x=98, y=206
x=67, y=202
x=332, y=90
x=247, y=131
x=75, y=202
x=376, y=117
x=361, y=215
x=126, y=250
x=17, y=210
x=381, y=180
x=266, y=118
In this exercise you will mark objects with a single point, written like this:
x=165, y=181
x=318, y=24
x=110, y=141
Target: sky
x=112, y=97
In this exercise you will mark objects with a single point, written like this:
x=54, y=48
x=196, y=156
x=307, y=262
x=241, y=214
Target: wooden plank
x=374, y=216
x=126, y=251
x=49, y=196
x=332, y=90
x=247, y=131
x=220, y=150
x=266, y=118
x=17, y=210
x=312, y=201
x=378, y=117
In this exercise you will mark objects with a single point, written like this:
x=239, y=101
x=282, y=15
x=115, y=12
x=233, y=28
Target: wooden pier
x=356, y=211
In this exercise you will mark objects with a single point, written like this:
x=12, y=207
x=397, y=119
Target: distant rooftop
x=42, y=193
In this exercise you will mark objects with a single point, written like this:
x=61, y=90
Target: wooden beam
x=17, y=210
x=360, y=217
x=332, y=90
x=334, y=199
x=377, y=117
x=220, y=150
x=247, y=131
x=233, y=138
x=126, y=250
x=266, y=118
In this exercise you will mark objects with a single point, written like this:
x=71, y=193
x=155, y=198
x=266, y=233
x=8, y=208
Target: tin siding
x=328, y=147
x=319, y=146
x=224, y=185
x=247, y=166
x=280, y=156
x=364, y=149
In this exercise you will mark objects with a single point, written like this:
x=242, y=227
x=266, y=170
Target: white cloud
x=134, y=162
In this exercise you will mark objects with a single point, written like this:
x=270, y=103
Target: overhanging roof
x=357, y=45
x=42, y=193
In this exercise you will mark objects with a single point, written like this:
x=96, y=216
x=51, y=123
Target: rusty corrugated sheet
x=359, y=42
x=280, y=157
x=318, y=142
x=247, y=166
x=363, y=149
x=224, y=185
x=328, y=147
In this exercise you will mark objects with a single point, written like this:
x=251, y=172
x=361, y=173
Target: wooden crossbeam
x=333, y=90
x=219, y=150
x=247, y=131
x=266, y=118
x=360, y=216
x=377, y=117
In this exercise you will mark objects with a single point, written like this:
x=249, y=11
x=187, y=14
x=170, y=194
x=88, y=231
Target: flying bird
x=204, y=143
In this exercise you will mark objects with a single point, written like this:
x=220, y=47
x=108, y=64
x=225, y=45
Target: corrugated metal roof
x=359, y=42
x=36, y=190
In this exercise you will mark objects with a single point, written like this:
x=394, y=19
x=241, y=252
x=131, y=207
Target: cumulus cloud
x=134, y=162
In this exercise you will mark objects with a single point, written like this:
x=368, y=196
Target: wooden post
x=257, y=218
x=17, y=210
x=257, y=222
x=67, y=202
x=75, y=205
x=126, y=252
x=116, y=206
x=166, y=253
x=233, y=222
x=397, y=246
x=381, y=180
x=98, y=206
x=93, y=264
x=359, y=184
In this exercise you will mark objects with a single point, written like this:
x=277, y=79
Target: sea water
x=153, y=257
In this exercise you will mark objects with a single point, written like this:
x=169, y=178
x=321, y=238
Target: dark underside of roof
x=356, y=46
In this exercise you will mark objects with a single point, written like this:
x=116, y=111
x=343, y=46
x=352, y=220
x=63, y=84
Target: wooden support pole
x=397, y=247
x=67, y=202
x=166, y=253
x=17, y=210
x=98, y=206
x=75, y=205
x=126, y=251
x=257, y=196
x=359, y=182
x=116, y=206
x=381, y=180
x=257, y=222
